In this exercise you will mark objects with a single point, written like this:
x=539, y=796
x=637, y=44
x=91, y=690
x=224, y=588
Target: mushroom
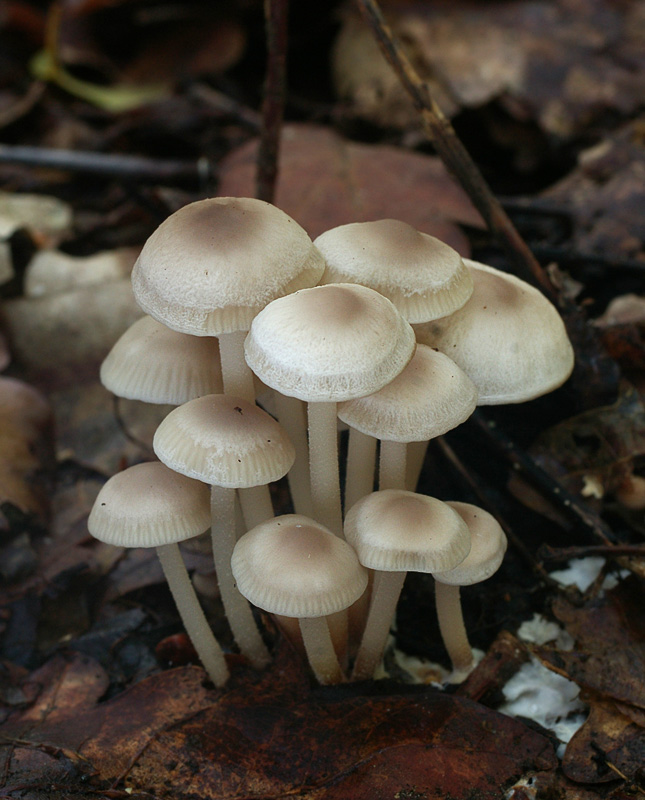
x=431, y=396
x=149, y=505
x=230, y=444
x=212, y=265
x=155, y=364
x=393, y=532
x=325, y=345
x=294, y=567
x=488, y=545
x=424, y=277
x=508, y=338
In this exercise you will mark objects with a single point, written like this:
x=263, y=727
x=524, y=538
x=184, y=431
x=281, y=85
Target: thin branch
x=274, y=98
x=453, y=153
x=125, y=167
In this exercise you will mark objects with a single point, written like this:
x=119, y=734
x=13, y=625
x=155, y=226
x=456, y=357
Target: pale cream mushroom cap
x=293, y=566
x=424, y=277
x=149, y=505
x=508, y=338
x=399, y=531
x=329, y=343
x=431, y=396
x=211, y=266
x=156, y=364
x=224, y=440
x=488, y=545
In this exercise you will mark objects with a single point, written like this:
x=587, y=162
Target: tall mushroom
x=149, y=505
x=508, y=338
x=325, y=345
x=213, y=264
x=230, y=444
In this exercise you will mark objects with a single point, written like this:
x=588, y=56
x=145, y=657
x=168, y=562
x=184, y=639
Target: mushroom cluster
x=237, y=295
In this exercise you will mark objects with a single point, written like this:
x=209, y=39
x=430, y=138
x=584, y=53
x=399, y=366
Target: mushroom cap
x=295, y=567
x=424, y=277
x=508, y=338
x=211, y=266
x=224, y=440
x=431, y=396
x=488, y=545
x=149, y=505
x=400, y=531
x=329, y=343
x=156, y=364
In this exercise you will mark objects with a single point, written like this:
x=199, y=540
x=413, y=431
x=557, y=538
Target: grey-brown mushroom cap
x=329, y=343
x=424, y=277
x=400, y=531
x=149, y=505
x=430, y=397
x=224, y=440
x=155, y=364
x=488, y=545
x=508, y=338
x=213, y=264
x=293, y=566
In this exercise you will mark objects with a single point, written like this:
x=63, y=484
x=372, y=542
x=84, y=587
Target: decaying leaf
x=25, y=450
x=270, y=736
x=606, y=195
x=598, y=445
x=47, y=218
x=326, y=180
x=561, y=64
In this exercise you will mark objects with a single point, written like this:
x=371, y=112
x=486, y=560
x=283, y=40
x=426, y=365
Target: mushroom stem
x=392, y=465
x=291, y=417
x=415, y=458
x=256, y=505
x=361, y=456
x=323, y=466
x=320, y=650
x=236, y=374
x=191, y=613
x=385, y=594
x=238, y=611
x=453, y=630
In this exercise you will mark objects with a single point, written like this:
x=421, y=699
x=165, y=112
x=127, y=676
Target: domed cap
x=488, y=545
x=224, y=440
x=156, y=364
x=421, y=275
x=149, y=505
x=211, y=266
x=293, y=566
x=508, y=338
x=329, y=343
x=400, y=531
x=430, y=397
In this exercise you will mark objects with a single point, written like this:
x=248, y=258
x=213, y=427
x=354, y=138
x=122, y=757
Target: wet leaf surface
x=270, y=736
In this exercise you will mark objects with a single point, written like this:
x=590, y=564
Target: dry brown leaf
x=325, y=181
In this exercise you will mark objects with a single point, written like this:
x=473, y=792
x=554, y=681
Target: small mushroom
x=149, y=505
x=394, y=532
x=295, y=567
x=488, y=545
